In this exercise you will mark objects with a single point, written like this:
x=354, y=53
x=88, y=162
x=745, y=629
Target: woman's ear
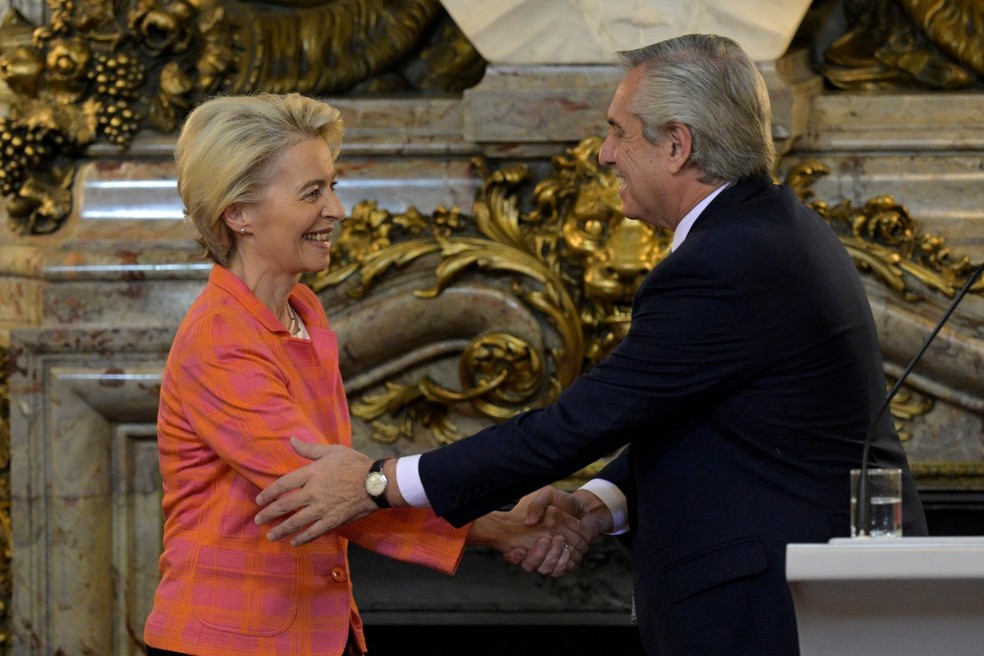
x=235, y=218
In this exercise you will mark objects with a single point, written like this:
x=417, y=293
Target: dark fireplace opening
x=492, y=608
x=954, y=512
x=512, y=640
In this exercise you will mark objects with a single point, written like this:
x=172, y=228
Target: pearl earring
x=242, y=230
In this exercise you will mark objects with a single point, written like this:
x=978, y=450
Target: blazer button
x=339, y=574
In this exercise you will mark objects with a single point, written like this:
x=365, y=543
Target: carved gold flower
x=163, y=28
x=65, y=69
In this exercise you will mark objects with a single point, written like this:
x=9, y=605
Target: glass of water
x=885, y=493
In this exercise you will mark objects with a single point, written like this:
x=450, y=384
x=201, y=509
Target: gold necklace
x=295, y=325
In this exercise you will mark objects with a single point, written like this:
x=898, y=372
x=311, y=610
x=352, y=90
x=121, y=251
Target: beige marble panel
x=84, y=501
x=538, y=104
x=138, y=528
x=892, y=122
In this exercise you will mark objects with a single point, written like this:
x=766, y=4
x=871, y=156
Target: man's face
x=640, y=165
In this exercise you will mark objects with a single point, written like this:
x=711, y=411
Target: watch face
x=375, y=484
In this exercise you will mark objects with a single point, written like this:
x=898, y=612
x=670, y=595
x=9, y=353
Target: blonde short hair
x=225, y=151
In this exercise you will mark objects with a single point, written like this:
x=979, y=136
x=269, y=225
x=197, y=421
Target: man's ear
x=681, y=144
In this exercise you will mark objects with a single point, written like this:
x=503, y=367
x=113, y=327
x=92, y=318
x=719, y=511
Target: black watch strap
x=374, y=477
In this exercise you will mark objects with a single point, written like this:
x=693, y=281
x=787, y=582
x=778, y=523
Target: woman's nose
x=333, y=207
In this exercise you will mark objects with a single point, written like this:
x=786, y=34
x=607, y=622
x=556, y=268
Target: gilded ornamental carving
x=100, y=72
x=571, y=258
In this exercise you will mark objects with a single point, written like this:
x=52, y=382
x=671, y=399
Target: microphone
x=863, y=509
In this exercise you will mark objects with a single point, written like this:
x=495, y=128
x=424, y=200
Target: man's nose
x=605, y=154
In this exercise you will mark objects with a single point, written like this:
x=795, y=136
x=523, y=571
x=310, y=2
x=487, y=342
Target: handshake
x=548, y=531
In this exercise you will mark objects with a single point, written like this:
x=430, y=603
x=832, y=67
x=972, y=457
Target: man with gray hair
x=741, y=394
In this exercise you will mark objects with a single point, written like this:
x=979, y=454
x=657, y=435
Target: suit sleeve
x=682, y=348
x=618, y=473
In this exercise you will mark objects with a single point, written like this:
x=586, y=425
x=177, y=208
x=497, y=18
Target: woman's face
x=289, y=230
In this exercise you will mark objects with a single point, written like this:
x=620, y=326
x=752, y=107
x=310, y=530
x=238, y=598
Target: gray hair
x=709, y=84
x=226, y=149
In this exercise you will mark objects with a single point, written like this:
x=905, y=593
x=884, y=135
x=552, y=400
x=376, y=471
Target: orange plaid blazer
x=235, y=388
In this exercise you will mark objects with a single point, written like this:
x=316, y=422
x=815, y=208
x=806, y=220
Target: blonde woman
x=253, y=363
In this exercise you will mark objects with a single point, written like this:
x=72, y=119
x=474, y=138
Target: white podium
x=889, y=596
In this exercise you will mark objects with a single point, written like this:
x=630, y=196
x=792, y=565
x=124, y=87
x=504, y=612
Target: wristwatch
x=376, y=484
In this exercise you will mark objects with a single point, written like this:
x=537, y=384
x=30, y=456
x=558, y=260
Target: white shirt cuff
x=613, y=498
x=408, y=481
x=412, y=490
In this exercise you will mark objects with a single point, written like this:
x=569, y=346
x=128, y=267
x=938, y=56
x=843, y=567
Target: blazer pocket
x=719, y=564
x=246, y=593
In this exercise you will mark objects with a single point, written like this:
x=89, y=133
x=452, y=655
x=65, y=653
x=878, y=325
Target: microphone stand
x=863, y=509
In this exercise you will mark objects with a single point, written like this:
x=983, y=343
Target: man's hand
x=593, y=517
x=317, y=497
x=542, y=533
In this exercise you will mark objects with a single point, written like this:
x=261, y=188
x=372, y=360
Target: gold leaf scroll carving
x=572, y=259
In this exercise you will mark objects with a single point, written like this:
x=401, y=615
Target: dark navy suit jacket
x=743, y=392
